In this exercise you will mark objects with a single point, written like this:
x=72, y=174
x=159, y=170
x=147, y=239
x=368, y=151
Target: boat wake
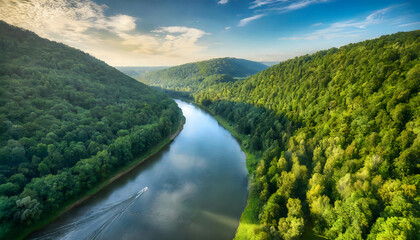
x=95, y=222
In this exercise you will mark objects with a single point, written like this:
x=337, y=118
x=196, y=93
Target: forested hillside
x=194, y=76
x=67, y=122
x=336, y=136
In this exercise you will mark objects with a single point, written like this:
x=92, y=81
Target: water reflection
x=197, y=189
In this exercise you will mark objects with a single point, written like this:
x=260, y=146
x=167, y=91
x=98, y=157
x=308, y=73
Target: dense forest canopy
x=194, y=76
x=67, y=122
x=337, y=140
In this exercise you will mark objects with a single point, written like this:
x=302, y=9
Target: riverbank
x=116, y=175
x=249, y=221
x=249, y=217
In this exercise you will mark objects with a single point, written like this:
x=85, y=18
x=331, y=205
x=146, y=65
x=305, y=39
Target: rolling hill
x=193, y=76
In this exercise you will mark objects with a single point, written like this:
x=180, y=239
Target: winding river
x=195, y=188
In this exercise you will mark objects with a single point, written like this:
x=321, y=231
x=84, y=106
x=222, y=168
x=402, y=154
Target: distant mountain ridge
x=192, y=76
x=137, y=72
x=270, y=63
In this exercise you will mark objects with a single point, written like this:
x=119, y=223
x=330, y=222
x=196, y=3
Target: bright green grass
x=249, y=219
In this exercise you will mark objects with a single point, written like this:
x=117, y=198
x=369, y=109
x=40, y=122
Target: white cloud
x=317, y=24
x=115, y=39
x=260, y=3
x=375, y=17
x=222, y=1
x=297, y=5
x=283, y=6
x=264, y=7
x=227, y=28
x=351, y=28
x=409, y=24
x=142, y=44
x=122, y=23
x=180, y=40
x=245, y=21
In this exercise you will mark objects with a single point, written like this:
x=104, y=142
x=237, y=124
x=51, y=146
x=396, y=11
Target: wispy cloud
x=245, y=21
x=261, y=3
x=265, y=7
x=115, y=39
x=296, y=5
x=283, y=6
x=222, y=1
x=409, y=24
x=227, y=28
x=351, y=28
x=317, y=24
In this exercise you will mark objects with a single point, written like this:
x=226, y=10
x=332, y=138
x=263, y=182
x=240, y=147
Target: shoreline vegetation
x=248, y=221
x=104, y=184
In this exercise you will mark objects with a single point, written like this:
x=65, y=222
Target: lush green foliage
x=338, y=133
x=68, y=121
x=194, y=76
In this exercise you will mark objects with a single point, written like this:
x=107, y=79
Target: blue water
x=197, y=189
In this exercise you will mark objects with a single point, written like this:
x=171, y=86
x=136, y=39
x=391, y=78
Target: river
x=195, y=188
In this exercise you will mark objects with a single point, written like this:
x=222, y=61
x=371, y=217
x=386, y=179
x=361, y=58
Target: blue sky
x=172, y=32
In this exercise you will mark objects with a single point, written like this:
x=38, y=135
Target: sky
x=174, y=32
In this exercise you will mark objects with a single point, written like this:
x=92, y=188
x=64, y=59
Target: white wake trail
x=119, y=208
